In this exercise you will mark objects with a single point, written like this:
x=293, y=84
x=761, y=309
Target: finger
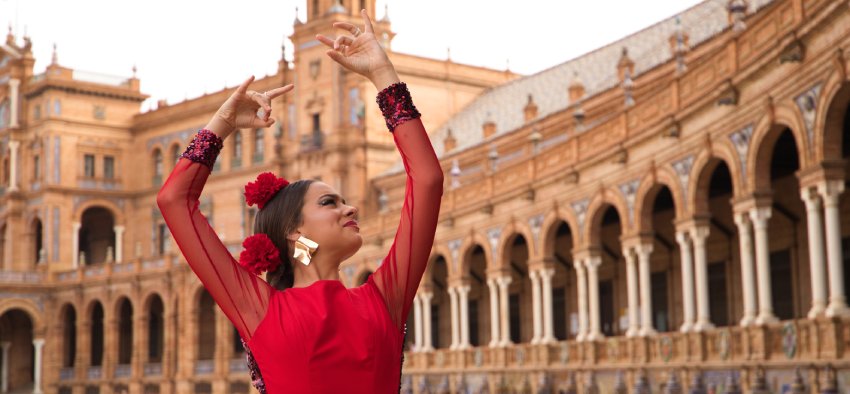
x=257, y=122
x=243, y=88
x=325, y=40
x=347, y=26
x=263, y=101
x=367, y=21
x=275, y=93
x=339, y=58
x=343, y=40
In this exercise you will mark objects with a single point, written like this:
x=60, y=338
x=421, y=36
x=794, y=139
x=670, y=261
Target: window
x=36, y=112
x=36, y=167
x=237, y=150
x=108, y=167
x=163, y=245
x=317, y=122
x=259, y=146
x=157, y=167
x=88, y=166
x=57, y=107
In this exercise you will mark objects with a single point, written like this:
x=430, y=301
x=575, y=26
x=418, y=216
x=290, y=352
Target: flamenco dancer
x=303, y=330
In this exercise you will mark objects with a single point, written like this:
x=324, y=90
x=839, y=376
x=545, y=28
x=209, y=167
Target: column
x=4, y=373
x=581, y=281
x=548, y=329
x=699, y=235
x=14, y=83
x=687, y=280
x=39, y=345
x=454, y=318
x=535, y=306
x=75, y=244
x=817, y=260
x=426, y=307
x=495, y=338
x=632, y=292
x=830, y=192
x=592, y=263
x=13, y=164
x=759, y=216
x=119, y=243
x=644, y=251
x=748, y=284
x=463, y=291
x=504, y=282
x=417, y=323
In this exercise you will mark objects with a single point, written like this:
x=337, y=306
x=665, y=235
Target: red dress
x=323, y=338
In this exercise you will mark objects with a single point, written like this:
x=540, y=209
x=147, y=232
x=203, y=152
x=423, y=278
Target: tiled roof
x=597, y=71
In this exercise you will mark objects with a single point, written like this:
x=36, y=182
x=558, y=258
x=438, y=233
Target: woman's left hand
x=361, y=53
x=241, y=110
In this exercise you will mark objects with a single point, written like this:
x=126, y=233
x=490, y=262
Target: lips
x=351, y=223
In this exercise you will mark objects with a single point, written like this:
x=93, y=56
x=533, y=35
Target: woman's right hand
x=241, y=110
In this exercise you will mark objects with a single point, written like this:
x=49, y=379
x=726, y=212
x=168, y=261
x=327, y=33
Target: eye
x=328, y=201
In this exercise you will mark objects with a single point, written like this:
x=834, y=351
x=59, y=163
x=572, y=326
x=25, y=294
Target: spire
x=386, y=18
x=55, y=59
x=737, y=12
x=283, y=49
x=134, y=71
x=679, y=45
x=10, y=38
x=297, y=21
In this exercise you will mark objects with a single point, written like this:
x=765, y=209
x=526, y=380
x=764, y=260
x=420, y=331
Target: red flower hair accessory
x=260, y=254
x=263, y=189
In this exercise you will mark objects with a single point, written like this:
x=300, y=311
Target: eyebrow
x=334, y=196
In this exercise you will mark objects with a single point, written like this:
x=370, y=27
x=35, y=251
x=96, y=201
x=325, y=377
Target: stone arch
x=429, y=270
x=550, y=225
x=509, y=234
x=596, y=210
x=30, y=308
x=174, y=153
x=649, y=187
x=469, y=243
x=67, y=313
x=442, y=250
x=762, y=142
x=829, y=122
x=117, y=213
x=700, y=177
x=35, y=235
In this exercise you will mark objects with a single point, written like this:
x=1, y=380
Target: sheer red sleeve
x=399, y=275
x=241, y=295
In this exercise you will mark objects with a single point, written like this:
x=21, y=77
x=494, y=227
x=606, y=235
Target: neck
x=321, y=268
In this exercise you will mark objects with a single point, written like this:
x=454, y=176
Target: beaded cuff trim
x=204, y=148
x=396, y=105
x=256, y=376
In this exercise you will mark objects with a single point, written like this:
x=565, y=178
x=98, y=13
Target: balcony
x=94, y=373
x=238, y=365
x=153, y=369
x=204, y=367
x=16, y=277
x=312, y=142
x=123, y=371
x=66, y=373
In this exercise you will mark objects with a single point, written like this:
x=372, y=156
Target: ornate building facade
x=667, y=208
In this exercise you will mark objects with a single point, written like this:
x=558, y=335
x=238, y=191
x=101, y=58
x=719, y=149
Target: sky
x=184, y=48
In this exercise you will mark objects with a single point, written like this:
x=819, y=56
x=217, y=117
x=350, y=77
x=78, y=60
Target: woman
x=305, y=331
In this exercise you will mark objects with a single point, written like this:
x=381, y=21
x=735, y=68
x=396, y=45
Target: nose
x=351, y=212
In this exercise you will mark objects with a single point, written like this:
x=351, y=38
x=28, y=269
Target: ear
x=293, y=236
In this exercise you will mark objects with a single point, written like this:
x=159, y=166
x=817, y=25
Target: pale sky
x=183, y=48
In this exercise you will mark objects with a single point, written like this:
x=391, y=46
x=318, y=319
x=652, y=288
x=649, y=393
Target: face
x=329, y=221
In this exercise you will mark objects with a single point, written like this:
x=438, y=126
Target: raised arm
x=241, y=295
x=398, y=276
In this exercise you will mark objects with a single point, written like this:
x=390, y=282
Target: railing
x=238, y=365
x=94, y=373
x=204, y=367
x=153, y=369
x=21, y=277
x=66, y=373
x=123, y=371
x=788, y=343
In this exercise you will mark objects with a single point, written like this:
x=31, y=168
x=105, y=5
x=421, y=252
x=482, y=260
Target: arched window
x=157, y=167
x=237, y=150
x=259, y=146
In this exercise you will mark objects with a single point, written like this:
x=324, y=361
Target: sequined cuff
x=204, y=148
x=396, y=105
x=256, y=376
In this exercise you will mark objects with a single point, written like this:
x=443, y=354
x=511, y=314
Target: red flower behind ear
x=260, y=254
x=263, y=189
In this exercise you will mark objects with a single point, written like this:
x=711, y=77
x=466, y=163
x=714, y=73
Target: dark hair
x=279, y=217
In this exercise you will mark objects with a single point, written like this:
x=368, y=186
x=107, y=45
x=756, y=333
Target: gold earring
x=304, y=249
